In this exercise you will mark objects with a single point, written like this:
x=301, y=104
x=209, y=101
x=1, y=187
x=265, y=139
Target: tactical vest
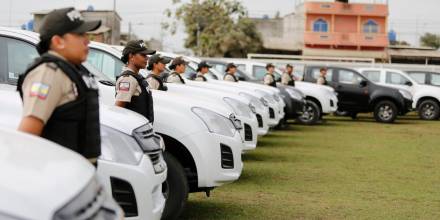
x=74, y=125
x=273, y=83
x=233, y=76
x=142, y=104
x=291, y=81
x=158, y=79
x=325, y=80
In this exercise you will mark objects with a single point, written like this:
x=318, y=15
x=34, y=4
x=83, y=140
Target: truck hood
x=34, y=169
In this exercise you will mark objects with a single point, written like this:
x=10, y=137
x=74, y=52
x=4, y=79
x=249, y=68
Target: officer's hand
x=31, y=125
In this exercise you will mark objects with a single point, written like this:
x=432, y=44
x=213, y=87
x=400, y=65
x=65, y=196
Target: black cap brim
x=148, y=52
x=87, y=27
x=165, y=60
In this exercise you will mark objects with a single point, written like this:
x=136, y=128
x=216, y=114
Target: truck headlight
x=119, y=147
x=239, y=108
x=215, y=122
x=252, y=107
x=147, y=139
x=406, y=94
x=253, y=100
x=294, y=94
x=276, y=97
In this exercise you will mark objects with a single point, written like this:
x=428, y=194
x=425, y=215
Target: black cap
x=229, y=66
x=202, y=65
x=269, y=65
x=157, y=59
x=134, y=47
x=177, y=61
x=288, y=65
x=63, y=21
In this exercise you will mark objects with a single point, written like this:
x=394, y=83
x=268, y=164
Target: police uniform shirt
x=286, y=78
x=321, y=80
x=126, y=88
x=200, y=77
x=268, y=79
x=153, y=83
x=45, y=88
x=229, y=78
x=174, y=78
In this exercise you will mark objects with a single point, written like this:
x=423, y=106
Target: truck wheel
x=311, y=114
x=353, y=115
x=385, y=112
x=175, y=188
x=341, y=113
x=429, y=110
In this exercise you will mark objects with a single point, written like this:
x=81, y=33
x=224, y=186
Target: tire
x=175, y=188
x=311, y=114
x=353, y=115
x=385, y=112
x=429, y=110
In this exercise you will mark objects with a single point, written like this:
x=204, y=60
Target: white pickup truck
x=322, y=100
x=200, y=154
x=33, y=169
x=426, y=98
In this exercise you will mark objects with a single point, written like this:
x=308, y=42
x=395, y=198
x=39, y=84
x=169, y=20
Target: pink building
x=350, y=26
x=330, y=28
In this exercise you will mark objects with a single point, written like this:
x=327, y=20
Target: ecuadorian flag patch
x=39, y=90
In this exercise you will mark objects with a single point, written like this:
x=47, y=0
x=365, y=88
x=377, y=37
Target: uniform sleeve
x=285, y=79
x=126, y=88
x=153, y=84
x=320, y=81
x=267, y=80
x=42, y=92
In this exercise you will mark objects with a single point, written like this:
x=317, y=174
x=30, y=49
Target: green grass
x=343, y=169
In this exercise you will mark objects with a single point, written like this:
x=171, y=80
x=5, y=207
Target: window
x=374, y=76
x=259, y=72
x=349, y=77
x=396, y=78
x=105, y=63
x=435, y=79
x=19, y=55
x=371, y=27
x=320, y=25
x=241, y=67
x=316, y=73
x=219, y=67
x=419, y=77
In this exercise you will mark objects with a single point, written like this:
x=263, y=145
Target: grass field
x=343, y=169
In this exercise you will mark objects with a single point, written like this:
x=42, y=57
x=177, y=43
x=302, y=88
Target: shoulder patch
x=124, y=86
x=39, y=90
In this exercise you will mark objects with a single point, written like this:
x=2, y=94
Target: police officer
x=202, y=69
x=156, y=64
x=322, y=80
x=230, y=70
x=60, y=97
x=178, y=67
x=269, y=78
x=287, y=77
x=132, y=90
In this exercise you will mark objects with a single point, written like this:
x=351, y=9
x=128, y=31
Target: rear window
x=316, y=73
x=373, y=76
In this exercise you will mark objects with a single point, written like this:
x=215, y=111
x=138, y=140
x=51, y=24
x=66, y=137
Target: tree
x=216, y=28
x=430, y=40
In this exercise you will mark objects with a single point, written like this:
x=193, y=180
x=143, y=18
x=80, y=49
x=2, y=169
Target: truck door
x=353, y=96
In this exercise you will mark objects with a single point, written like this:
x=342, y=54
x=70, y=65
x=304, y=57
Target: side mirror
x=363, y=83
x=408, y=83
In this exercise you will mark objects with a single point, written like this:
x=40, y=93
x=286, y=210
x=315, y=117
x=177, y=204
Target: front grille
x=271, y=113
x=247, y=132
x=227, y=157
x=260, y=121
x=124, y=195
x=332, y=104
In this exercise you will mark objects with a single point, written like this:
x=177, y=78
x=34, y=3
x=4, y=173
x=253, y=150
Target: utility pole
x=113, y=40
x=129, y=31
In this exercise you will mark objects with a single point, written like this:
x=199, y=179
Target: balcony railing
x=346, y=9
x=346, y=39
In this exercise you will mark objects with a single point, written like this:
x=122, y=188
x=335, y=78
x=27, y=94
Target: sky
x=409, y=18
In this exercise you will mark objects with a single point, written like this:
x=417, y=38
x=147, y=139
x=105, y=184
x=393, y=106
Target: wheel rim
x=386, y=112
x=428, y=111
x=308, y=114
